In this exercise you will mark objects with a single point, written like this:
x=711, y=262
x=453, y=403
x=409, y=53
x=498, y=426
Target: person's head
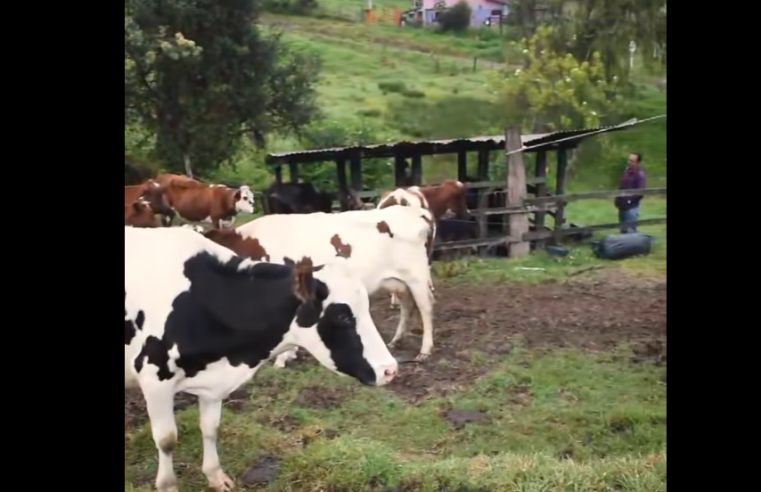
x=635, y=159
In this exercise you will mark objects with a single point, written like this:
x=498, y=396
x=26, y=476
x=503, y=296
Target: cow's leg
x=281, y=359
x=422, y=292
x=211, y=413
x=407, y=306
x=159, y=400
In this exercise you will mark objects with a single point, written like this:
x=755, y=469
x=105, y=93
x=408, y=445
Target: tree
x=603, y=26
x=456, y=18
x=553, y=90
x=200, y=75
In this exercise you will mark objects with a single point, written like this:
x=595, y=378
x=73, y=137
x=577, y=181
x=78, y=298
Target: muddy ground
x=472, y=324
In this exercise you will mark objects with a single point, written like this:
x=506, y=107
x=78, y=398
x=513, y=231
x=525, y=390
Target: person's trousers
x=628, y=215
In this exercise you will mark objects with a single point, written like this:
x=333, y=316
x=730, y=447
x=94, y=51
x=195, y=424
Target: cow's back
x=371, y=240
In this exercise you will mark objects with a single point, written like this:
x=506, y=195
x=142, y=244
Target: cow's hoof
x=392, y=344
x=278, y=364
x=220, y=482
x=421, y=357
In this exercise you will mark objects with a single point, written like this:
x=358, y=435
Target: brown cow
x=140, y=214
x=444, y=199
x=153, y=193
x=165, y=179
x=197, y=202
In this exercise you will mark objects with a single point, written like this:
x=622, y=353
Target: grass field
x=541, y=380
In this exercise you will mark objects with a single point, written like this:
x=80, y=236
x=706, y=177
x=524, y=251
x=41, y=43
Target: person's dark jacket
x=631, y=180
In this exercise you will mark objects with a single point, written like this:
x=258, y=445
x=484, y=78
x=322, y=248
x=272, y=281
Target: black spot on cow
x=156, y=352
x=131, y=326
x=244, y=315
x=338, y=330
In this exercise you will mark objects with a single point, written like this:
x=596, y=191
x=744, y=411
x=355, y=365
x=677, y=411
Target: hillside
x=398, y=83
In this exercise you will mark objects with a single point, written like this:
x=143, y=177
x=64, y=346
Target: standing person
x=628, y=206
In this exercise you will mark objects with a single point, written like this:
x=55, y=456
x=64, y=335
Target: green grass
x=540, y=267
x=606, y=414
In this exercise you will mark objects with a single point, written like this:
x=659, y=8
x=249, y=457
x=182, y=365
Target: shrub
x=456, y=19
x=392, y=87
x=294, y=7
x=413, y=94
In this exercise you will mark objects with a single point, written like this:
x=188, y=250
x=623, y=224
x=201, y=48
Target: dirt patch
x=461, y=417
x=283, y=423
x=265, y=470
x=322, y=398
x=650, y=352
x=135, y=413
x=474, y=325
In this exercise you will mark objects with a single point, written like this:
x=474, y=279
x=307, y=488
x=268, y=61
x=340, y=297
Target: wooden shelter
x=559, y=142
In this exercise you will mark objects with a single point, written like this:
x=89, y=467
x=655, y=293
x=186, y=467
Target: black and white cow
x=202, y=320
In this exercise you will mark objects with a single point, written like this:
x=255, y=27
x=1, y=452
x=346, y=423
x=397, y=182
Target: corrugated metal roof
x=438, y=146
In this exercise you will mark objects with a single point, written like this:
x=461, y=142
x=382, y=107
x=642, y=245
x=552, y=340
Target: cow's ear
x=302, y=280
x=136, y=206
x=237, y=195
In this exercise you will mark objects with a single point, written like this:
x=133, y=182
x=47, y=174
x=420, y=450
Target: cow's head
x=140, y=214
x=333, y=323
x=155, y=195
x=244, y=200
x=349, y=200
x=454, y=194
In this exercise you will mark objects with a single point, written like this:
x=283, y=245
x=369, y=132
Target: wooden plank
x=355, y=167
x=560, y=186
x=279, y=174
x=483, y=164
x=417, y=170
x=499, y=184
x=517, y=209
x=470, y=243
x=399, y=167
x=516, y=191
x=462, y=165
x=540, y=171
x=535, y=235
x=596, y=194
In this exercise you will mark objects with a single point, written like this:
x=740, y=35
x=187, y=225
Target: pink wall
x=428, y=4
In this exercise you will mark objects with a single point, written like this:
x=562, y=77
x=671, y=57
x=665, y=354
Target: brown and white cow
x=448, y=198
x=199, y=202
x=387, y=249
x=153, y=193
x=140, y=214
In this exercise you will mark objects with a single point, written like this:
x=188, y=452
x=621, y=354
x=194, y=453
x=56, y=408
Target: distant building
x=484, y=12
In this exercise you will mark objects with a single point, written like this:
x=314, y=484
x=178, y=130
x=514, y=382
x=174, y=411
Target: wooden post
x=279, y=174
x=482, y=174
x=462, y=165
x=540, y=171
x=560, y=187
x=342, y=182
x=294, y=172
x=483, y=165
x=399, y=166
x=516, y=192
x=417, y=170
x=355, y=166
x=475, y=63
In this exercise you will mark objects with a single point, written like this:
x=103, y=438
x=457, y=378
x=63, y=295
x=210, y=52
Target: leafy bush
x=293, y=7
x=392, y=86
x=456, y=19
x=413, y=94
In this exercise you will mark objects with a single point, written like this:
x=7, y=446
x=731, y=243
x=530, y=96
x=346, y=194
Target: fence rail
x=548, y=203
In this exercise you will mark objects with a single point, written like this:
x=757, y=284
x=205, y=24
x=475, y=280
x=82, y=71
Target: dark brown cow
x=140, y=214
x=199, y=202
x=153, y=193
